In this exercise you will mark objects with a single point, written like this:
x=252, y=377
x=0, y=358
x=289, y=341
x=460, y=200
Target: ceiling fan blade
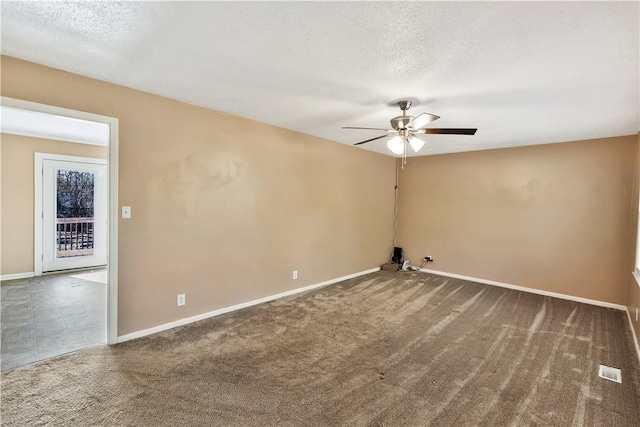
x=422, y=120
x=369, y=140
x=353, y=127
x=451, y=131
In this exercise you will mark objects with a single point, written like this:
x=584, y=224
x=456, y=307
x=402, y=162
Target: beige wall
x=18, y=194
x=550, y=217
x=223, y=208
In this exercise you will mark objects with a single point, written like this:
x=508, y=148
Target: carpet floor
x=385, y=349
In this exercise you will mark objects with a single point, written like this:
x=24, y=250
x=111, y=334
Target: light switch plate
x=126, y=212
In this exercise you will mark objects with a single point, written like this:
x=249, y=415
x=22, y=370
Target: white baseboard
x=187, y=320
x=530, y=290
x=15, y=276
x=633, y=331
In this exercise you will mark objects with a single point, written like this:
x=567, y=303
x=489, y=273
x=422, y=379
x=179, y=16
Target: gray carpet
x=386, y=349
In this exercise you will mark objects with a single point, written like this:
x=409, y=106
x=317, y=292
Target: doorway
x=74, y=212
x=81, y=234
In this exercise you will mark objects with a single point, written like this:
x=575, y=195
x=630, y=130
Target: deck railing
x=74, y=237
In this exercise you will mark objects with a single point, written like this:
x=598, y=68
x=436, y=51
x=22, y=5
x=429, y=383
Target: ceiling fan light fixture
x=416, y=143
x=406, y=127
x=396, y=145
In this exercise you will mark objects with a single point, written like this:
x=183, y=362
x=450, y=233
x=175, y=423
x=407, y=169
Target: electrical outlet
x=295, y=274
x=428, y=258
x=182, y=300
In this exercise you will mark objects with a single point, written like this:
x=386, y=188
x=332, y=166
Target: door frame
x=112, y=203
x=38, y=262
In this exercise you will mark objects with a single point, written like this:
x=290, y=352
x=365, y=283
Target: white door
x=74, y=214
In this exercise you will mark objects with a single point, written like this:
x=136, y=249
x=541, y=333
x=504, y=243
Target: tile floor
x=47, y=316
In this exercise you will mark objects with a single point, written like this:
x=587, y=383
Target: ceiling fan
x=406, y=128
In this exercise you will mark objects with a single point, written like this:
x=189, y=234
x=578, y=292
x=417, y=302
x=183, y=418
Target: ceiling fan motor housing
x=400, y=122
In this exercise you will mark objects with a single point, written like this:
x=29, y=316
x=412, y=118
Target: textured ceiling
x=522, y=73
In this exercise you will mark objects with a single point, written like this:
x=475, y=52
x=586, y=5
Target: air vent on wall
x=609, y=373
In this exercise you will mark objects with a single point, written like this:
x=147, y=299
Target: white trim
x=633, y=331
x=20, y=121
x=187, y=320
x=636, y=276
x=112, y=239
x=38, y=166
x=77, y=159
x=530, y=290
x=50, y=109
x=37, y=206
x=15, y=276
x=112, y=254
